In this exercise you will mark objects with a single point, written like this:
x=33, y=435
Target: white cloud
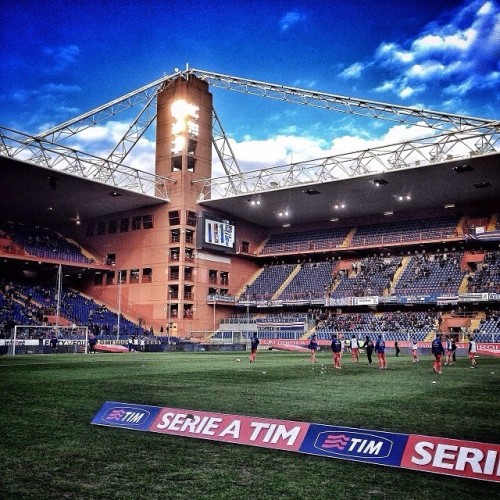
x=406, y=92
x=60, y=58
x=305, y=84
x=385, y=87
x=460, y=56
x=290, y=19
x=284, y=149
x=62, y=88
x=353, y=71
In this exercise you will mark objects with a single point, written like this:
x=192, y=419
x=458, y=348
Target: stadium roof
x=47, y=196
x=44, y=195
x=470, y=186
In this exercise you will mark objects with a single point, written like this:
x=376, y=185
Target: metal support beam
x=342, y=104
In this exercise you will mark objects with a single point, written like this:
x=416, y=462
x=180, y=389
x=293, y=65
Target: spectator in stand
x=472, y=352
x=380, y=348
x=438, y=351
x=336, y=346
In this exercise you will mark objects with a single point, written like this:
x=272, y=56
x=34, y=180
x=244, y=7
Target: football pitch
x=49, y=449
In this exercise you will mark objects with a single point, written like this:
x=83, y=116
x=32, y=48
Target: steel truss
x=342, y=104
x=27, y=148
x=450, y=146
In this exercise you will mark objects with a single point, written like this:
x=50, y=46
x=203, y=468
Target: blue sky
x=59, y=59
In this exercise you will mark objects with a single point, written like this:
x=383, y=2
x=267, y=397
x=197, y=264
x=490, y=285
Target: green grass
x=49, y=449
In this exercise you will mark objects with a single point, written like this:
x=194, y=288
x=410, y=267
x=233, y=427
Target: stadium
x=399, y=241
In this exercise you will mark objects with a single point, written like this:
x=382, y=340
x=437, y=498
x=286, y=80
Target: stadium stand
x=369, y=276
x=418, y=230
x=42, y=242
x=296, y=242
x=269, y=281
x=393, y=326
x=27, y=304
x=427, y=274
x=487, y=276
x=310, y=282
x=432, y=272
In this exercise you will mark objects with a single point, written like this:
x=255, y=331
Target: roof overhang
x=48, y=196
x=431, y=188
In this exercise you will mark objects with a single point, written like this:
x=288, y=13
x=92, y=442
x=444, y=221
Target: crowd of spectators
x=487, y=276
x=405, y=323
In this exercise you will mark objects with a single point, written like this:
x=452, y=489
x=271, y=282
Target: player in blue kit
x=380, y=350
x=92, y=343
x=53, y=343
x=438, y=351
x=313, y=347
x=336, y=346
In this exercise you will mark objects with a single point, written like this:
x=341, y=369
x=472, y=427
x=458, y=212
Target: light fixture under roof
x=338, y=206
x=283, y=213
x=114, y=194
x=254, y=202
x=389, y=212
x=379, y=182
x=403, y=197
x=450, y=205
x=460, y=169
x=482, y=185
x=311, y=192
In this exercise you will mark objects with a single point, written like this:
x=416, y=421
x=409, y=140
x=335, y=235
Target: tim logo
x=353, y=444
x=126, y=416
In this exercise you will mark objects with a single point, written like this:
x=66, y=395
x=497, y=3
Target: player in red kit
x=337, y=352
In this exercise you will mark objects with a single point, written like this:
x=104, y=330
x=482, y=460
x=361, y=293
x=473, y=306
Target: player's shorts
x=472, y=355
x=438, y=357
x=355, y=350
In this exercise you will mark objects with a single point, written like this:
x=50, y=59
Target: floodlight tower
x=184, y=154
